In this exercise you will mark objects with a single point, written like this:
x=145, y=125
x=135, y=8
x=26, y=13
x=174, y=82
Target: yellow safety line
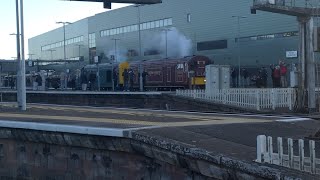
x=126, y=121
x=72, y=118
x=153, y=114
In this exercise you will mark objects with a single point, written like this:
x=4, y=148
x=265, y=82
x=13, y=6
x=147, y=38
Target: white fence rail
x=266, y=154
x=257, y=99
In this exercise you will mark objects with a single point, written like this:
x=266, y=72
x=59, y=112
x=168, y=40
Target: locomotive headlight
x=205, y=80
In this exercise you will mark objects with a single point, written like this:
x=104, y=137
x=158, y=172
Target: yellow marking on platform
x=132, y=122
x=137, y=113
x=72, y=118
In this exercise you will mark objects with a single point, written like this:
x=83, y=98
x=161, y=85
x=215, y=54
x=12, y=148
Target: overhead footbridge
x=107, y=3
x=299, y=8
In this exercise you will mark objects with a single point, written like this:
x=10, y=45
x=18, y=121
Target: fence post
x=261, y=148
x=312, y=156
x=270, y=150
x=290, y=99
x=194, y=94
x=273, y=96
x=280, y=151
x=290, y=152
x=301, y=154
x=224, y=94
x=258, y=100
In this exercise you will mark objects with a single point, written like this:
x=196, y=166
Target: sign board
x=291, y=54
x=30, y=64
x=96, y=59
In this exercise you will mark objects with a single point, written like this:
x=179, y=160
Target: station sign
x=30, y=63
x=291, y=54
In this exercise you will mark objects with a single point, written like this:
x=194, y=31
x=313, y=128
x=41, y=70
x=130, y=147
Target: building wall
x=76, y=29
x=210, y=21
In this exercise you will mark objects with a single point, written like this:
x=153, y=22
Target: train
x=158, y=74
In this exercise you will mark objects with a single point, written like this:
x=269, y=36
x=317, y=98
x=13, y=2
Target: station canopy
x=107, y=3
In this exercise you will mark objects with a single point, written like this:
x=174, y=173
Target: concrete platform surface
x=219, y=133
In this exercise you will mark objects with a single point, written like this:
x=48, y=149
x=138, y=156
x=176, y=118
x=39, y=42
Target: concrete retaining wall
x=29, y=154
x=149, y=101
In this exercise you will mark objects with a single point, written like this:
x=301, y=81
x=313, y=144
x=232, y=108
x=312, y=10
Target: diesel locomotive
x=159, y=74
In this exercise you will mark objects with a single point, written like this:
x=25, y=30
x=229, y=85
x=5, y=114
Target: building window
x=133, y=28
x=188, y=17
x=60, y=43
x=210, y=45
x=92, y=40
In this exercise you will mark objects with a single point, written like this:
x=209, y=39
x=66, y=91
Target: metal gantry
x=305, y=11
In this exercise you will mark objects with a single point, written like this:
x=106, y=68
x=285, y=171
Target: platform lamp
x=238, y=42
x=115, y=60
x=64, y=41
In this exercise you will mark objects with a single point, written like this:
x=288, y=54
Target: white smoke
x=178, y=44
x=121, y=54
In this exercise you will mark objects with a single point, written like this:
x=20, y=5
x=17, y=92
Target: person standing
x=115, y=78
x=244, y=77
x=62, y=80
x=234, y=77
x=272, y=75
x=125, y=75
x=39, y=81
x=283, y=74
x=264, y=77
x=131, y=79
x=92, y=81
x=144, y=79
x=276, y=76
x=84, y=80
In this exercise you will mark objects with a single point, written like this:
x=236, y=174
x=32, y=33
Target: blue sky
x=40, y=16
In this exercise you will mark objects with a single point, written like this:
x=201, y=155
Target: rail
x=302, y=162
x=257, y=99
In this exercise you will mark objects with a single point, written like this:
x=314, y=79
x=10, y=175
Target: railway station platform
x=229, y=139
x=215, y=132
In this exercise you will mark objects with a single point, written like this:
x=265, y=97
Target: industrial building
x=223, y=30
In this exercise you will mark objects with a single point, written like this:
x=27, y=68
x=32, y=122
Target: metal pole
x=79, y=51
x=140, y=49
x=302, y=58
x=30, y=56
x=98, y=71
x=18, y=57
x=166, y=43
x=115, y=60
x=239, y=58
x=64, y=46
x=310, y=67
x=22, y=63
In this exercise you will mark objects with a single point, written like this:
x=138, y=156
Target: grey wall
x=76, y=29
x=210, y=20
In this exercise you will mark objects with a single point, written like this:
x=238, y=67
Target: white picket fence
x=255, y=98
x=265, y=154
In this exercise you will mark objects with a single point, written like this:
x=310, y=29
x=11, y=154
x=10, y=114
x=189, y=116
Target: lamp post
x=51, y=50
x=115, y=60
x=21, y=77
x=30, y=56
x=140, y=48
x=238, y=42
x=64, y=40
